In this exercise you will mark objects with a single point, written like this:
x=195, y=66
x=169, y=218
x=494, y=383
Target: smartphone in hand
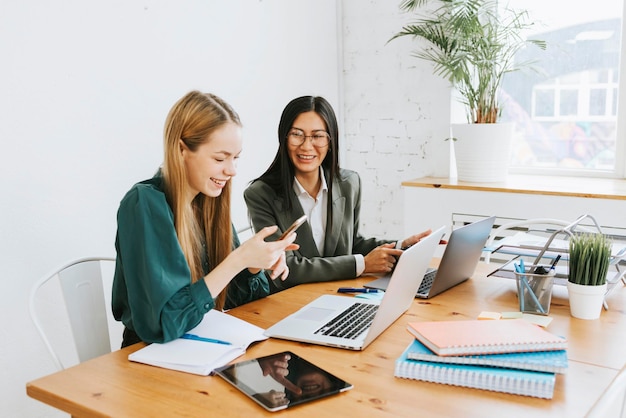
x=295, y=225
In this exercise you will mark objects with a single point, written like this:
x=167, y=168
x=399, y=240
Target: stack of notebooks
x=508, y=355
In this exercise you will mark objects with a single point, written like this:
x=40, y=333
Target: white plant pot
x=585, y=302
x=482, y=151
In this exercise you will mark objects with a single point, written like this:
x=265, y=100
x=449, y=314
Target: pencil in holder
x=534, y=291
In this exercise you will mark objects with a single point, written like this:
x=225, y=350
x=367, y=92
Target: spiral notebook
x=466, y=337
x=517, y=382
x=537, y=361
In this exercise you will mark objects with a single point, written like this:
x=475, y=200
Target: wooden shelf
x=600, y=188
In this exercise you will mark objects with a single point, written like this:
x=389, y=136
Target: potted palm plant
x=473, y=44
x=589, y=259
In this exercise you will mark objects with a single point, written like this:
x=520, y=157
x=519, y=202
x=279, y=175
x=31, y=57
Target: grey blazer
x=307, y=265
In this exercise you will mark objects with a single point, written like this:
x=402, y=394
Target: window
x=566, y=113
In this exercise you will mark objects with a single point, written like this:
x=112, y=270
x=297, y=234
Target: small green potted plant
x=589, y=259
x=473, y=44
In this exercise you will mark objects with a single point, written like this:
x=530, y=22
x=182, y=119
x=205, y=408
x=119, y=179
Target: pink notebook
x=467, y=337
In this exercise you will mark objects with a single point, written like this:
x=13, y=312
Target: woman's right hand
x=254, y=254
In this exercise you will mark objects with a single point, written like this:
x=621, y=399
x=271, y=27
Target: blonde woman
x=178, y=255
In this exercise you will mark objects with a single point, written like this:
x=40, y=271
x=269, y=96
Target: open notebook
x=218, y=339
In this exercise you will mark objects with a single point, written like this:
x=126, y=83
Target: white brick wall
x=396, y=112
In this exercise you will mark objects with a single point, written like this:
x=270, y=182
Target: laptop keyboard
x=427, y=282
x=351, y=322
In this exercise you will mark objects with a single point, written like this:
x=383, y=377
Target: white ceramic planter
x=585, y=302
x=482, y=151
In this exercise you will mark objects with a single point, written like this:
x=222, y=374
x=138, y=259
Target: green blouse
x=152, y=290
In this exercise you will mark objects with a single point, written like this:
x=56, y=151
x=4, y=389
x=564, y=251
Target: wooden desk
x=113, y=386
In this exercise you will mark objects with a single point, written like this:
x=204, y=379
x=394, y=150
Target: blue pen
x=556, y=260
x=203, y=339
x=356, y=290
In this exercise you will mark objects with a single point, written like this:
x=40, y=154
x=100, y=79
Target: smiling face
x=307, y=158
x=214, y=162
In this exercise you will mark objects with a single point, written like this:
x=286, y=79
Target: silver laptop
x=353, y=323
x=458, y=262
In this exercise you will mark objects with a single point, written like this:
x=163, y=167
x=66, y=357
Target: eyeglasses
x=319, y=139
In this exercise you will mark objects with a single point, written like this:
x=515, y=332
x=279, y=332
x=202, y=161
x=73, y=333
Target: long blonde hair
x=207, y=222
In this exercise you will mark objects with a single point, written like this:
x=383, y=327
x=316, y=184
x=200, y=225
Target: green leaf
x=472, y=44
x=589, y=258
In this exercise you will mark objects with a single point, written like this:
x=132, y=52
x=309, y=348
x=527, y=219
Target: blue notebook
x=496, y=379
x=538, y=361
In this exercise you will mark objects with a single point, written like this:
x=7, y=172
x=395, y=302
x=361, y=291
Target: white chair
x=81, y=286
x=613, y=400
x=245, y=231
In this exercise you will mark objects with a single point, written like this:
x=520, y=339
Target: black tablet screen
x=282, y=380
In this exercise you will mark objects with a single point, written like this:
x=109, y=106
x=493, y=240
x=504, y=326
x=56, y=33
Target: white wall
x=397, y=113
x=84, y=91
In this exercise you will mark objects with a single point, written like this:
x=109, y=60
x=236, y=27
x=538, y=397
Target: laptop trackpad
x=314, y=314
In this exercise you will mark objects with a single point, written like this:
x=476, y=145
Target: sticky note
x=541, y=320
x=371, y=296
x=511, y=315
x=489, y=315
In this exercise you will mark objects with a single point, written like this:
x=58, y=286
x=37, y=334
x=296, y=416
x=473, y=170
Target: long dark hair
x=280, y=174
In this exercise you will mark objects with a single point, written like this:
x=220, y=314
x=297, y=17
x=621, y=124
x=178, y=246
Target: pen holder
x=534, y=291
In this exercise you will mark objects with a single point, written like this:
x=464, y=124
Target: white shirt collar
x=297, y=187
